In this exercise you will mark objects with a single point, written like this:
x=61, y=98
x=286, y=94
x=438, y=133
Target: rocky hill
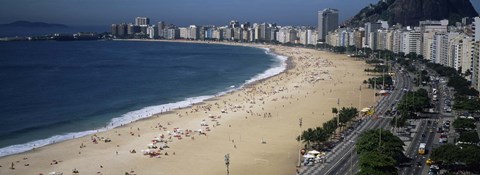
x=410, y=12
x=28, y=24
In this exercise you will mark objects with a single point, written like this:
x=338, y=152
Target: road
x=343, y=159
x=426, y=133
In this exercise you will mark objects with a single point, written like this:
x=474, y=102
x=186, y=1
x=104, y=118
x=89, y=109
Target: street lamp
x=227, y=162
x=300, y=122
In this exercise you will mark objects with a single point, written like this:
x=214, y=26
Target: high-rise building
x=114, y=29
x=238, y=34
x=433, y=26
x=142, y=21
x=327, y=21
x=455, y=50
x=467, y=51
x=476, y=28
x=397, y=41
x=312, y=37
x=427, y=45
x=282, y=35
x=227, y=33
x=412, y=42
x=133, y=29
x=476, y=64
x=217, y=34
x=151, y=32
x=370, y=32
x=439, y=49
x=161, y=25
x=172, y=33
x=183, y=32
x=234, y=24
x=246, y=35
x=193, y=32
x=251, y=32
x=382, y=40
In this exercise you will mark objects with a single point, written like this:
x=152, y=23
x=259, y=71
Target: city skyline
x=184, y=12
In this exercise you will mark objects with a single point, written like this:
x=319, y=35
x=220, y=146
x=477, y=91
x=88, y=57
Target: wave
x=279, y=65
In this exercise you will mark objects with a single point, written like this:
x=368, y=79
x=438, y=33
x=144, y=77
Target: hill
x=410, y=12
x=33, y=25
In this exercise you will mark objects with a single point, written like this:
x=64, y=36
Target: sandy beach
x=256, y=125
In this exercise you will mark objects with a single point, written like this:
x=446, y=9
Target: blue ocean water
x=52, y=91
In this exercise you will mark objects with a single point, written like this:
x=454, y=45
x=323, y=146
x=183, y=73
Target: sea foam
x=277, y=67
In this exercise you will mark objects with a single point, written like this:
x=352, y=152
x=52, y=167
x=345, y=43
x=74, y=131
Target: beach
x=256, y=125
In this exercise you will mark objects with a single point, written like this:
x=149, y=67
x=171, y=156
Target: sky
x=178, y=12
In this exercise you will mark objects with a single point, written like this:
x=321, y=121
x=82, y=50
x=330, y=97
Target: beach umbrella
x=308, y=156
x=313, y=152
x=365, y=110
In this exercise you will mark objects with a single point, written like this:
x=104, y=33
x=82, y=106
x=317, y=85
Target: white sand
x=277, y=104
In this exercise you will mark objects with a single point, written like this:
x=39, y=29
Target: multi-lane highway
x=343, y=158
x=425, y=133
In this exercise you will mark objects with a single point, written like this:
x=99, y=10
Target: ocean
x=53, y=91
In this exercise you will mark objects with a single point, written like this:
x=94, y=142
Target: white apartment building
x=411, y=42
x=183, y=32
x=439, y=49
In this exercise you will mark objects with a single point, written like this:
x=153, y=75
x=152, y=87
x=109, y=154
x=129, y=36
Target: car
x=447, y=125
x=429, y=162
x=448, y=110
x=439, y=130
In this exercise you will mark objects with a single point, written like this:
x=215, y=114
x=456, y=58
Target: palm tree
x=334, y=112
x=307, y=137
x=320, y=136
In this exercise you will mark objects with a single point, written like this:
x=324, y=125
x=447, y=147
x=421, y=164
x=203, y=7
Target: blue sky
x=179, y=12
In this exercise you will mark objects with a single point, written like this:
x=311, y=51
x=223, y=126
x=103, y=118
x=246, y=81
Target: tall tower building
x=370, y=31
x=114, y=29
x=327, y=21
x=476, y=54
x=142, y=21
x=161, y=25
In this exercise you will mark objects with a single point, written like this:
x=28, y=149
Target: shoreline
x=266, y=111
x=112, y=124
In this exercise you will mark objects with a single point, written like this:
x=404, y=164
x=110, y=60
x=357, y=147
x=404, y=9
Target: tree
x=330, y=126
x=464, y=123
x=447, y=154
x=468, y=73
x=469, y=137
x=398, y=122
x=414, y=101
x=376, y=163
x=466, y=104
x=450, y=156
x=388, y=143
x=307, y=137
x=470, y=155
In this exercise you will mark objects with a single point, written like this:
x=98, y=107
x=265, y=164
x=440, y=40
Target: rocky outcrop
x=410, y=12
